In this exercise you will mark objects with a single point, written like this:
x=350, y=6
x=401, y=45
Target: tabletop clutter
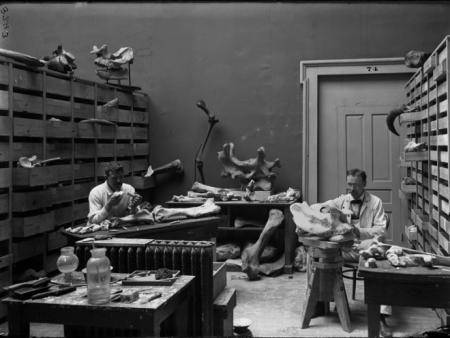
x=95, y=283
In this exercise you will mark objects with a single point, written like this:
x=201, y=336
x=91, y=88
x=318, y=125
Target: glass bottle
x=98, y=277
x=67, y=262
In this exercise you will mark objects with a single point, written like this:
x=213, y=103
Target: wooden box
x=5, y=126
x=219, y=278
x=32, y=200
x=60, y=129
x=26, y=79
x=140, y=182
x=141, y=149
x=28, y=248
x=32, y=225
x=59, y=149
x=83, y=110
x=29, y=127
x=416, y=156
x=27, y=103
x=4, y=203
x=4, y=152
x=5, y=230
x=63, y=215
x=57, y=85
x=36, y=176
x=55, y=240
x=5, y=177
x=27, y=149
x=56, y=107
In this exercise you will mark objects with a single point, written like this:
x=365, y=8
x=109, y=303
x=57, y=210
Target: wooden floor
x=273, y=304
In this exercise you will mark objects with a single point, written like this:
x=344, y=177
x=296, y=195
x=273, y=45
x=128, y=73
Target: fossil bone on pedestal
x=251, y=255
x=257, y=169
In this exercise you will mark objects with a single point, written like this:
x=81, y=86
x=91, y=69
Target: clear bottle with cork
x=98, y=271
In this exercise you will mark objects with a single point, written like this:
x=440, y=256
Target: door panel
x=353, y=134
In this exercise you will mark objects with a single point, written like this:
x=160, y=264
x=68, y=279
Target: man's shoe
x=385, y=331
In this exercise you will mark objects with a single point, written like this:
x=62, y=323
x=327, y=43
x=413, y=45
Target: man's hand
x=113, y=200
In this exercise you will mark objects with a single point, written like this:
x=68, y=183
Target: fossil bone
x=174, y=166
x=31, y=162
x=61, y=61
x=162, y=214
x=111, y=63
x=218, y=193
x=415, y=58
x=394, y=113
x=323, y=225
x=251, y=255
x=257, y=169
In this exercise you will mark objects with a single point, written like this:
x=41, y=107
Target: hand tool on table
x=56, y=292
x=32, y=284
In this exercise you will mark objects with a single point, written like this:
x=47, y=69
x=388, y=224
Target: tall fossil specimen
x=256, y=169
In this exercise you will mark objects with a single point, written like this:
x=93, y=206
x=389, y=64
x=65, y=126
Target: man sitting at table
x=112, y=197
x=368, y=219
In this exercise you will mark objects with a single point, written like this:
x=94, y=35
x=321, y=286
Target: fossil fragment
x=257, y=169
x=61, y=61
x=252, y=254
x=111, y=64
x=162, y=214
x=394, y=113
x=415, y=58
x=323, y=225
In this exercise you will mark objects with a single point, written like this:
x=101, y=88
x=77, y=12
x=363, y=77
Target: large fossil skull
x=257, y=169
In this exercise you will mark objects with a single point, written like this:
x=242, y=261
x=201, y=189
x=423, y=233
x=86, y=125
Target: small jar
x=98, y=274
x=67, y=262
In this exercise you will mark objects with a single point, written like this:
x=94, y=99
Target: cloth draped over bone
x=143, y=215
x=331, y=226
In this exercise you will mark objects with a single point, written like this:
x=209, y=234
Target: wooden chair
x=350, y=269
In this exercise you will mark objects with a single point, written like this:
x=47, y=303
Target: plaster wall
x=241, y=58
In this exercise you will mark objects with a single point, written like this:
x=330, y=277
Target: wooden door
x=353, y=134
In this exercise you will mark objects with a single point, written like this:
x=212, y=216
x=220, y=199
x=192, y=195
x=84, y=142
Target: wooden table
x=193, y=229
x=72, y=309
x=412, y=286
x=233, y=209
x=325, y=282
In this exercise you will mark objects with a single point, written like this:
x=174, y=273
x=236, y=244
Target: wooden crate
x=5, y=126
x=5, y=230
x=33, y=225
x=29, y=127
x=36, y=176
x=60, y=149
x=4, y=203
x=32, y=200
x=141, y=149
x=27, y=149
x=60, y=129
x=27, y=79
x=28, y=248
x=83, y=89
x=63, y=215
x=84, y=150
x=83, y=110
x=4, y=152
x=55, y=240
x=5, y=177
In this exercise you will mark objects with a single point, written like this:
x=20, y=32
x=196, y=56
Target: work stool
x=325, y=283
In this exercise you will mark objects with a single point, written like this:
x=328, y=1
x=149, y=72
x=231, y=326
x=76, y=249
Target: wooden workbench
x=412, y=286
x=204, y=228
x=72, y=309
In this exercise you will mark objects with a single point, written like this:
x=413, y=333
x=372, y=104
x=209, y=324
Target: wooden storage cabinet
x=40, y=114
x=427, y=91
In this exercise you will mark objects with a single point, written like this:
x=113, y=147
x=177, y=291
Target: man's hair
x=357, y=172
x=113, y=167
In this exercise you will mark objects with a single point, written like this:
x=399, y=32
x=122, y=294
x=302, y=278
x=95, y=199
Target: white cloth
x=372, y=221
x=98, y=197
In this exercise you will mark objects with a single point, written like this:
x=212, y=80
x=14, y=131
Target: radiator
x=190, y=257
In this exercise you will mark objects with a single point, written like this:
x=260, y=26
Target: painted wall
x=242, y=59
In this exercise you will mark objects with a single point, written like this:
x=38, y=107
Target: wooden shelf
x=44, y=113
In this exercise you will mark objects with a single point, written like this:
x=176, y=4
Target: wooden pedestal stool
x=325, y=282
